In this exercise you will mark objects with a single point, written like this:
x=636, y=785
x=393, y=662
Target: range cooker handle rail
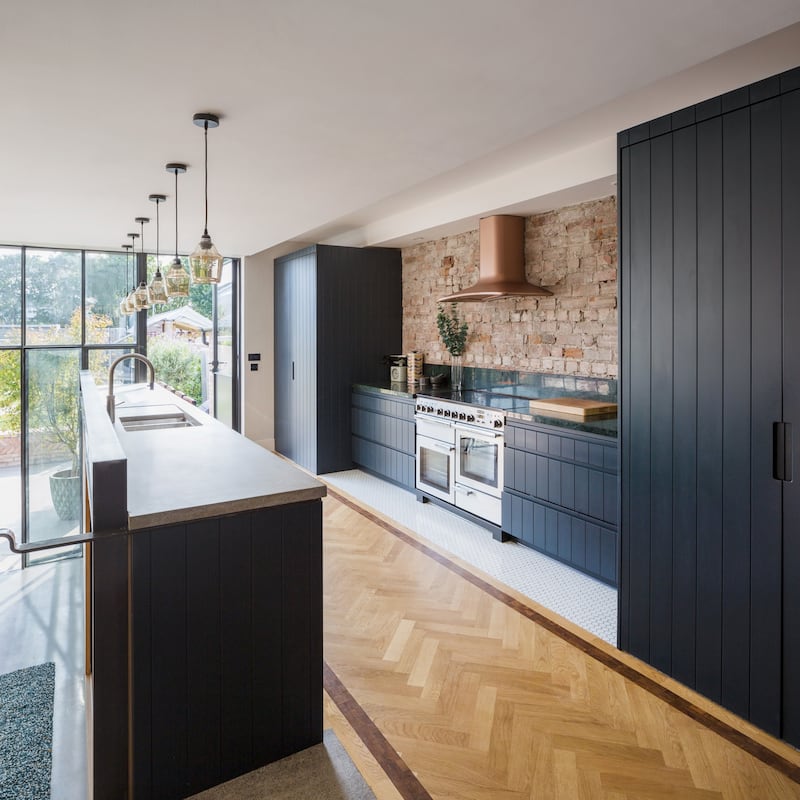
x=437, y=420
x=444, y=447
x=485, y=432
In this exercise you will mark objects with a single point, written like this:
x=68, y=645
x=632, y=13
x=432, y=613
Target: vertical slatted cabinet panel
x=560, y=495
x=236, y=644
x=790, y=187
x=709, y=291
x=661, y=399
x=337, y=313
x=637, y=445
x=383, y=436
x=226, y=619
x=708, y=643
x=304, y=338
x=736, y=381
x=284, y=299
x=766, y=409
x=359, y=321
x=296, y=357
x=624, y=419
x=203, y=667
x=109, y=738
x=684, y=414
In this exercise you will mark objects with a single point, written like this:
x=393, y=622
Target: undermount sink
x=150, y=418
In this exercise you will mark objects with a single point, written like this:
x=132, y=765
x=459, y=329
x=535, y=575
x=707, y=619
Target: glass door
x=480, y=460
x=192, y=343
x=435, y=468
x=225, y=355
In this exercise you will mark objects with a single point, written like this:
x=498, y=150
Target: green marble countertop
x=514, y=400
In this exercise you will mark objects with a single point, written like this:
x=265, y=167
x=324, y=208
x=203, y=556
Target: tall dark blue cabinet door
x=284, y=434
x=296, y=357
x=790, y=163
x=709, y=211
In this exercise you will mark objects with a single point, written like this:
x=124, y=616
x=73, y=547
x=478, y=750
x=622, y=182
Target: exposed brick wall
x=572, y=251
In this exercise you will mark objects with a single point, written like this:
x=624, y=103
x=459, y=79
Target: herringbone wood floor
x=482, y=702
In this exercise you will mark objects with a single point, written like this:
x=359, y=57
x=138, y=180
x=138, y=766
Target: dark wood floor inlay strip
x=718, y=726
x=404, y=780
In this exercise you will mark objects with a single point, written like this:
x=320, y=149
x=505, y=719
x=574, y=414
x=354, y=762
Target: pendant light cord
x=158, y=264
x=205, y=138
x=141, y=224
x=176, y=214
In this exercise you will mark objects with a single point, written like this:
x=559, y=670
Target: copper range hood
x=502, y=263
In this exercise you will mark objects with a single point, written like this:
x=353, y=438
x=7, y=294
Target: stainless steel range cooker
x=460, y=454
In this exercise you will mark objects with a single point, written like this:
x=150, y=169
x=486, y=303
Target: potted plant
x=58, y=406
x=454, y=334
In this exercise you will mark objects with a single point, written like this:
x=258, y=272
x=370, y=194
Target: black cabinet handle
x=292, y=370
x=783, y=457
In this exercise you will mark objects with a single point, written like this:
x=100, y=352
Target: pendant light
x=158, y=286
x=124, y=310
x=131, y=298
x=142, y=295
x=205, y=261
x=177, y=276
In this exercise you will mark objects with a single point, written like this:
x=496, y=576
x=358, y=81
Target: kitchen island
x=204, y=589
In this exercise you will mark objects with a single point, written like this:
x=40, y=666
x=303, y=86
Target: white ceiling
x=355, y=121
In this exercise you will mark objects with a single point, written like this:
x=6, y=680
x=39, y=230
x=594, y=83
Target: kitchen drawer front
x=386, y=462
x=575, y=487
x=380, y=404
x=585, y=545
x=385, y=430
x=580, y=448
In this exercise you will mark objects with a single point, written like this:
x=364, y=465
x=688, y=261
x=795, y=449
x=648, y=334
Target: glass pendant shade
x=158, y=288
x=177, y=279
x=142, y=297
x=126, y=306
x=206, y=262
x=131, y=301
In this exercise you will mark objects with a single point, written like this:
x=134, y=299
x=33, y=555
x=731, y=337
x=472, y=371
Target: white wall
x=258, y=319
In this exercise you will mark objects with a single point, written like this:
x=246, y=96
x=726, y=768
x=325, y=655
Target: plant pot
x=65, y=492
x=456, y=372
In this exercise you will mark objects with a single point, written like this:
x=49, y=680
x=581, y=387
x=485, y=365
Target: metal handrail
x=45, y=544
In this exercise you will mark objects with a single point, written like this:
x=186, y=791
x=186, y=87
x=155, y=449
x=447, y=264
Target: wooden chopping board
x=575, y=406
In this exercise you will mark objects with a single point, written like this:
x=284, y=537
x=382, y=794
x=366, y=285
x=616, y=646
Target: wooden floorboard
x=482, y=695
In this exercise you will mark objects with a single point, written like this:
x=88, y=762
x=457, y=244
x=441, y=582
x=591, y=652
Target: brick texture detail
x=572, y=251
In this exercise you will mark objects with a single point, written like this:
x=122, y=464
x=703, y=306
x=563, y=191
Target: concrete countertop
x=204, y=470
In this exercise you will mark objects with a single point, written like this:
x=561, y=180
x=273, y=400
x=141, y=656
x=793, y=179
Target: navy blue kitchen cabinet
x=709, y=205
x=561, y=495
x=383, y=436
x=338, y=311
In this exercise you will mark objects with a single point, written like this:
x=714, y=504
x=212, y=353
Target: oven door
x=479, y=460
x=435, y=465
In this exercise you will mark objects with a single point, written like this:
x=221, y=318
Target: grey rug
x=322, y=772
x=26, y=732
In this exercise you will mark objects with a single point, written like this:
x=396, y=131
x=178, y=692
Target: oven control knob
x=439, y=411
x=462, y=415
x=498, y=423
x=471, y=418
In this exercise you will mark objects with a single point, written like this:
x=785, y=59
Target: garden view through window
x=59, y=313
